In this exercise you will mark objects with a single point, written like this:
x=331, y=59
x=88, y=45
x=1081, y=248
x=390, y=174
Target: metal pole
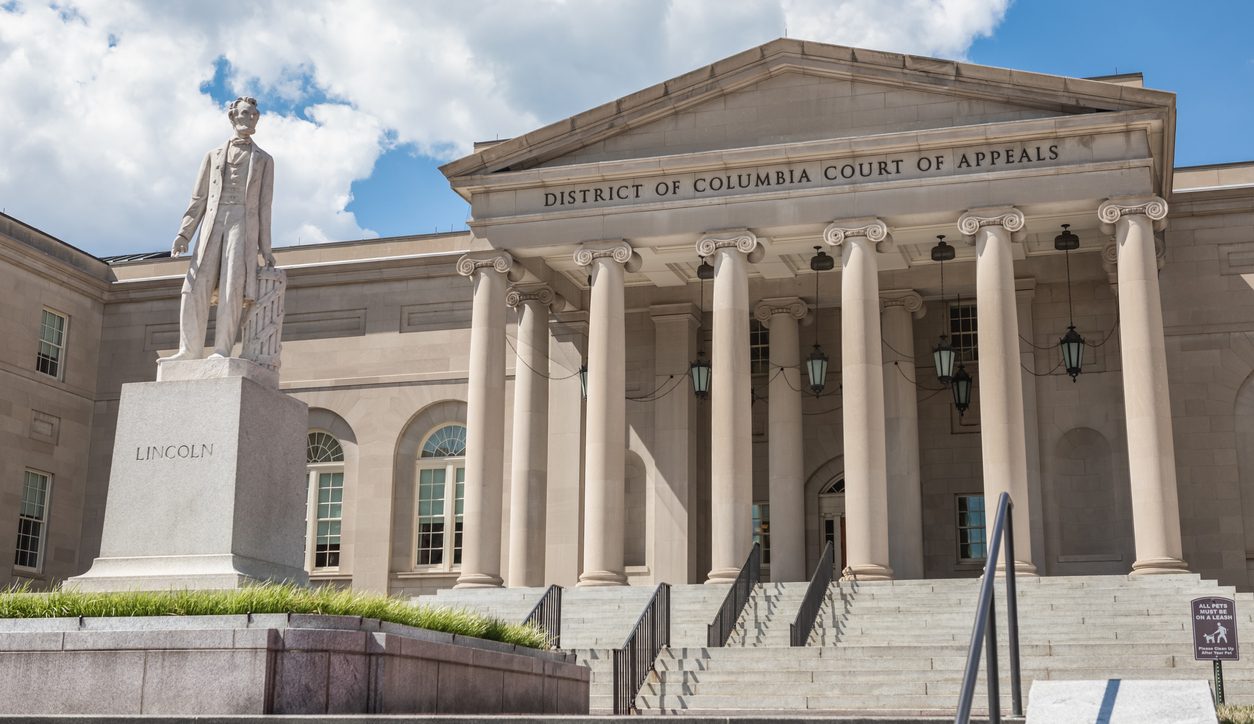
x=1012, y=614
x=990, y=647
x=1219, y=681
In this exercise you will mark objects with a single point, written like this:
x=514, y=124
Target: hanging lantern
x=700, y=373
x=943, y=356
x=962, y=390
x=705, y=270
x=816, y=366
x=943, y=353
x=1072, y=347
x=583, y=380
x=1071, y=344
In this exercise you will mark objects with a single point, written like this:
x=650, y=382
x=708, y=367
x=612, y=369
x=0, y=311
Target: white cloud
x=106, y=121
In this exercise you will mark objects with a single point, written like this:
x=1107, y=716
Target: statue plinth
x=208, y=486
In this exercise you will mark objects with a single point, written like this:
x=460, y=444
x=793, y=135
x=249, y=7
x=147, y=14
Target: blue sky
x=363, y=101
x=1202, y=52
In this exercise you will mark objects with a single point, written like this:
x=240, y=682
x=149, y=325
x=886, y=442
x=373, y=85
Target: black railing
x=634, y=661
x=799, y=630
x=725, y=620
x=985, y=629
x=547, y=614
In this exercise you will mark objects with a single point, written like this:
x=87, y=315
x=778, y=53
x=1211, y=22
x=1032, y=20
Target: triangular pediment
x=793, y=91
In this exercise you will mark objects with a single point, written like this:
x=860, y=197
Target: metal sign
x=1214, y=629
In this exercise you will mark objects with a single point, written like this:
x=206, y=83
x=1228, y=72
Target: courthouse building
x=754, y=215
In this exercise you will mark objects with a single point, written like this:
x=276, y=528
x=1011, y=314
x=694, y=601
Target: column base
x=723, y=575
x=1158, y=566
x=601, y=578
x=1022, y=568
x=478, y=580
x=867, y=572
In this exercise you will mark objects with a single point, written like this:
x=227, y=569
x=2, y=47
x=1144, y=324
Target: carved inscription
x=184, y=451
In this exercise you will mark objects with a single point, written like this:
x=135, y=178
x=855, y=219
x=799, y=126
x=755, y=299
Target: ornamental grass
x=1236, y=715
x=23, y=602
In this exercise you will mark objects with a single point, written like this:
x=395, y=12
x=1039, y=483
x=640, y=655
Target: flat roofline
x=322, y=245
x=1116, y=77
x=1225, y=164
x=49, y=237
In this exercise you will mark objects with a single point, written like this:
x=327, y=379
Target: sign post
x=1215, y=635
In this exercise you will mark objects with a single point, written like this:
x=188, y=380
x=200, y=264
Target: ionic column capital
x=1117, y=207
x=614, y=249
x=541, y=294
x=743, y=240
x=875, y=231
x=501, y=262
x=792, y=306
x=908, y=299
x=1007, y=217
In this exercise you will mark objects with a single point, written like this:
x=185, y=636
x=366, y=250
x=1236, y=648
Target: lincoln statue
x=232, y=198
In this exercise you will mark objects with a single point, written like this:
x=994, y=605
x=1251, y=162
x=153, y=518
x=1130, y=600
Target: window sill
x=31, y=573
x=425, y=574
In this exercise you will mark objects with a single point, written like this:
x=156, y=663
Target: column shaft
x=529, y=479
x=1002, y=436
x=607, y=429
x=784, y=443
x=866, y=481
x=1147, y=403
x=485, y=432
x=901, y=423
x=731, y=434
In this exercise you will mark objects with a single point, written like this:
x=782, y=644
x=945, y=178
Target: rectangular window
x=759, y=348
x=963, y=333
x=762, y=530
x=972, y=543
x=51, y=344
x=459, y=500
x=430, y=516
x=32, y=519
x=330, y=514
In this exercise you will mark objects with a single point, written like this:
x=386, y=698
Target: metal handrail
x=547, y=614
x=799, y=630
x=984, y=630
x=634, y=661
x=718, y=631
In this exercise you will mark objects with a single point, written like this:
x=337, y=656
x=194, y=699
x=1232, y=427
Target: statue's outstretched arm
x=195, y=208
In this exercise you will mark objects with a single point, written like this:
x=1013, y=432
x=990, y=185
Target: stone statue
x=232, y=197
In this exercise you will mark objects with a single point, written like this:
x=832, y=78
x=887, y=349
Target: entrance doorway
x=832, y=522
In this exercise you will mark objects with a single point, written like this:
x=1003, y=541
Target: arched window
x=324, y=460
x=441, y=490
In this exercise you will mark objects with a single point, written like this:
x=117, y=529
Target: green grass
x=25, y=603
x=1236, y=714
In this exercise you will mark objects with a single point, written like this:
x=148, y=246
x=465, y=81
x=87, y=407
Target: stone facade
x=378, y=337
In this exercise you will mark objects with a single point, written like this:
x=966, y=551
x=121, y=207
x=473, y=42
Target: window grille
x=441, y=499
x=32, y=520
x=963, y=334
x=51, y=344
x=971, y=534
x=759, y=348
x=325, y=459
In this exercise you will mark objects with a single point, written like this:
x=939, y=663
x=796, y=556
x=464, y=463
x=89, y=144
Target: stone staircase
x=595, y=621
x=768, y=615
x=508, y=604
x=898, y=648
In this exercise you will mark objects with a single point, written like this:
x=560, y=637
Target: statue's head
x=243, y=114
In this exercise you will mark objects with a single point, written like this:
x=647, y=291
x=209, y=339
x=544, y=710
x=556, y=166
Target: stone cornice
x=909, y=299
x=792, y=306
x=875, y=231
x=1115, y=208
x=498, y=261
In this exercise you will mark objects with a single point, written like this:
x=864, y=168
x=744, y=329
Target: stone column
x=1025, y=289
x=485, y=419
x=1147, y=404
x=731, y=430
x=784, y=439
x=606, y=442
x=568, y=337
x=862, y=391
x=899, y=309
x=672, y=504
x=529, y=473
x=1002, y=436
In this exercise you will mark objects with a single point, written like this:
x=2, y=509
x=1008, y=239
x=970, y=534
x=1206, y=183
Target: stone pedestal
x=207, y=489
